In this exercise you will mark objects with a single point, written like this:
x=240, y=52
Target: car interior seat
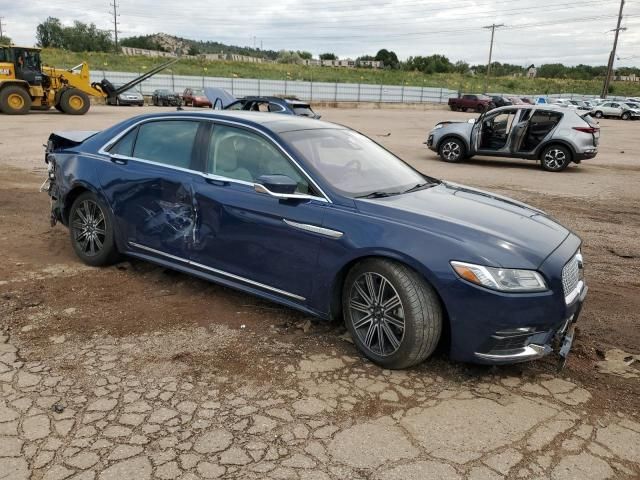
x=225, y=161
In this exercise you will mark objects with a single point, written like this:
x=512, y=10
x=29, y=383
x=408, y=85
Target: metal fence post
x=358, y=92
x=440, y=100
x=402, y=94
x=421, y=93
x=311, y=90
x=231, y=85
x=335, y=93
x=259, y=87
x=380, y=96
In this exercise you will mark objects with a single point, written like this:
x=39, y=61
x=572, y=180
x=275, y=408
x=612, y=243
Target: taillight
x=590, y=130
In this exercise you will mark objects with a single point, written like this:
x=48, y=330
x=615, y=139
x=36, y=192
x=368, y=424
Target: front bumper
x=128, y=101
x=491, y=327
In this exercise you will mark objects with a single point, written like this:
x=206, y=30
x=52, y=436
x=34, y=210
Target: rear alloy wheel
x=451, y=150
x=555, y=158
x=393, y=315
x=91, y=229
x=626, y=116
x=74, y=102
x=14, y=100
x=599, y=114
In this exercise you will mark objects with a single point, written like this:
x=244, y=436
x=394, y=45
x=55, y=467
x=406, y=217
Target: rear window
x=169, y=142
x=303, y=110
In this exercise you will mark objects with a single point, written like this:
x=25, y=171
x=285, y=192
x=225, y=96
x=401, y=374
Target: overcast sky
x=536, y=31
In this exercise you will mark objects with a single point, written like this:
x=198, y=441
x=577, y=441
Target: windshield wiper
x=378, y=194
x=420, y=186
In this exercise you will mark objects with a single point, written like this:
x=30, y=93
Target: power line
x=612, y=56
x=115, y=22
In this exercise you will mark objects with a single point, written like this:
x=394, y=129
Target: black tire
x=555, y=158
x=14, y=100
x=452, y=150
x=598, y=114
x=74, y=102
x=626, y=116
x=87, y=214
x=417, y=308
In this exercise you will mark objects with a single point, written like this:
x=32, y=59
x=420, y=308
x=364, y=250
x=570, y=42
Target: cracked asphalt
x=136, y=372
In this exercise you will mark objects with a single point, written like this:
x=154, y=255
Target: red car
x=196, y=98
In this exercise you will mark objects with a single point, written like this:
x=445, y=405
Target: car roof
x=527, y=106
x=275, y=122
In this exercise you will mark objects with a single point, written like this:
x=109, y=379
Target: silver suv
x=554, y=135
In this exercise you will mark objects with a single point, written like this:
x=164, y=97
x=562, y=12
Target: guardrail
x=310, y=91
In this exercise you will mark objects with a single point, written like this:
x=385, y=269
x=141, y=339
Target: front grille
x=571, y=275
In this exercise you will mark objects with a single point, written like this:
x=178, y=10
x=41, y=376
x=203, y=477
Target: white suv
x=615, y=109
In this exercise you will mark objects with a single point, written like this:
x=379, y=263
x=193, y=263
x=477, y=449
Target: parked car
x=274, y=105
x=527, y=100
x=320, y=218
x=130, y=97
x=616, y=110
x=195, y=97
x=500, y=101
x=554, y=135
x=517, y=101
x=475, y=103
x=166, y=98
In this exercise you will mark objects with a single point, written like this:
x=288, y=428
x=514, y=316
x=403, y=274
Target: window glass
x=235, y=106
x=303, y=110
x=241, y=155
x=169, y=142
x=352, y=163
x=124, y=146
x=274, y=107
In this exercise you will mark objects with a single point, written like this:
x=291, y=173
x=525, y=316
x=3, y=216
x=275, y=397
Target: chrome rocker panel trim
x=216, y=271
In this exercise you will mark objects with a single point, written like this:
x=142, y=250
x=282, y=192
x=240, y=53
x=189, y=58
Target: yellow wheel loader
x=26, y=84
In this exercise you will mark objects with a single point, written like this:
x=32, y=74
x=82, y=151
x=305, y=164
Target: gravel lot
x=136, y=372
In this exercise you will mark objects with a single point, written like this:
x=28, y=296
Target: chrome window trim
x=215, y=270
x=111, y=142
x=327, y=232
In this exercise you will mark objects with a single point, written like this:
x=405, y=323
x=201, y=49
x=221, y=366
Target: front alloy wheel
x=377, y=314
x=451, y=150
x=392, y=313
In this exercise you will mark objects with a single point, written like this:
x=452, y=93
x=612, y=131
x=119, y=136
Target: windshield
x=198, y=92
x=633, y=105
x=353, y=164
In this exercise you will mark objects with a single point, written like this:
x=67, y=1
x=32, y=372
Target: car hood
x=490, y=229
x=463, y=128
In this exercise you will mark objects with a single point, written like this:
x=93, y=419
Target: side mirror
x=276, y=184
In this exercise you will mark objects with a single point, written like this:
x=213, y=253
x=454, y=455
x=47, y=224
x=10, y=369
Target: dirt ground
x=137, y=327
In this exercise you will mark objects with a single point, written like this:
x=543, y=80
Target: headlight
x=503, y=279
x=440, y=125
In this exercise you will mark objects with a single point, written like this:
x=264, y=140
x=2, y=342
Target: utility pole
x=1, y=34
x=612, y=56
x=493, y=27
x=115, y=22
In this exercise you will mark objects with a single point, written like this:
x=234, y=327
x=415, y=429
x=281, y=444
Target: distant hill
x=184, y=46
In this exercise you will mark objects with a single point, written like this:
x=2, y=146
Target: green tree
x=193, y=50
x=304, y=55
x=80, y=37
x=328, y=56
x=430, y=64
x=49, y=33
x=4, y=40
x=388, y=57
x=287, y=56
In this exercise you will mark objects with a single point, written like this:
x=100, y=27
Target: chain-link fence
x=310, y=91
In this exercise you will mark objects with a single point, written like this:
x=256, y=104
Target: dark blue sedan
x=320, y=218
